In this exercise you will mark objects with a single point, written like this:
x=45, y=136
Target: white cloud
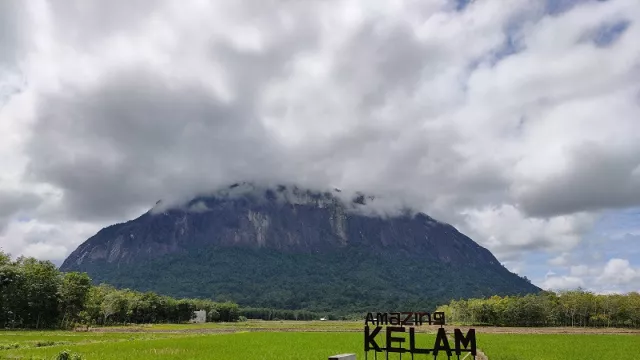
x=560, y=260
x=615, y=276
x=512, y=125
x=44, y=240
x=514, y=266
x=562, y=283
x=619, y=272
x=579, y=270
x=508, y=232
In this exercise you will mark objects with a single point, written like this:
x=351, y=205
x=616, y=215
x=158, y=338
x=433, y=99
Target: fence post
x=343, y=357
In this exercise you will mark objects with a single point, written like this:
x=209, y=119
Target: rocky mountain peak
x=285, y=221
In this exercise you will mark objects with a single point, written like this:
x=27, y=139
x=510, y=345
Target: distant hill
x=290, y=248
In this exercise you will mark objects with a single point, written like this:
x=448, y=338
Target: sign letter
x=381, y=319
x=391, y=339
x=394, y=318
x=442, y=343
x=412, y=343
x=370, y=339
x=465, y=341
x=369, y=319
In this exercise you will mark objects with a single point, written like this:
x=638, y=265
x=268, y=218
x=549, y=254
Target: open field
x=205, y=346
x=297, y=340
x=241, y=346
x=559, y=346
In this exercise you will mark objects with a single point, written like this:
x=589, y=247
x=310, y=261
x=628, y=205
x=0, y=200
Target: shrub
x=67, y=355
x=44, y=343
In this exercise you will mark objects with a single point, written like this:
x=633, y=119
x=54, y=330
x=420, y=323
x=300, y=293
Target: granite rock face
x=288, y=220
x=298, y=223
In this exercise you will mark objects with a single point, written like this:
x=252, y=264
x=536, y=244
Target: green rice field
x=288, y=340
x=241, y=345
x=559, y=346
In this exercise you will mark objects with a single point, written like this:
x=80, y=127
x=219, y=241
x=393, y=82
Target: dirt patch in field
x=481, y=356
x=537, y=330
x=215, y=331
x=162, y=331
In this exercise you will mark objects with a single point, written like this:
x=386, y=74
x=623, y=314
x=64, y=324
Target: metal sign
x=398, y=324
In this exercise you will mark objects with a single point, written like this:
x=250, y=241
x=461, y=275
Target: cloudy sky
x=517, y=121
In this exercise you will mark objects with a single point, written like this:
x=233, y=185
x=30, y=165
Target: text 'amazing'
x=396, y=344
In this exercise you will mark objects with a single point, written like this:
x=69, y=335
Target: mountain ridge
x=285, y=224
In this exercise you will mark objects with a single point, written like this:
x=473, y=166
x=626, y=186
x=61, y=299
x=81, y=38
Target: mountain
x=290, y=248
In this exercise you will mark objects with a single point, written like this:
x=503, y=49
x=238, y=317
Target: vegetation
x=558, y=346
x=288, y=345
x=34, y=294
x=350, y=281
x=568, y=308
x=274, y=314
x=264, y=345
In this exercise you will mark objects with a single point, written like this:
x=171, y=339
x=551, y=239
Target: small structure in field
x=343, y=357
x=199, y=317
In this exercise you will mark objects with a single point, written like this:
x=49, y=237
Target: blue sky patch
x=618, y=223
x=616, y=235
x=608, y=33
x=461, y=4
x=556, y=7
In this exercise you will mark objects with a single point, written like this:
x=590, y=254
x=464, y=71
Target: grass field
x=288, y=340
x=241, y=346
x=559, y=346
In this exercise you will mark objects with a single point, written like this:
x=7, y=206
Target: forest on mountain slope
x=348, y=281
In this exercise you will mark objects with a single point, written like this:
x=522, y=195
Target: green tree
x=34, y=294
x=10, y=285
x=39, y=295
x=228, y=311
x=73, y=292
x=114, y=307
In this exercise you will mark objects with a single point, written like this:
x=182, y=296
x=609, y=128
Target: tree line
x=299, y=315
x=566, y=308
x=35, y=294
x=278, y=314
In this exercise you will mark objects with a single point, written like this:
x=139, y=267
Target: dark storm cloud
x=598, y=179
x=12, y=202
x=85, y=23
x=138, y=137
x=135, y=137
x=394, y=58
x=131, y=102
x=12, y=14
